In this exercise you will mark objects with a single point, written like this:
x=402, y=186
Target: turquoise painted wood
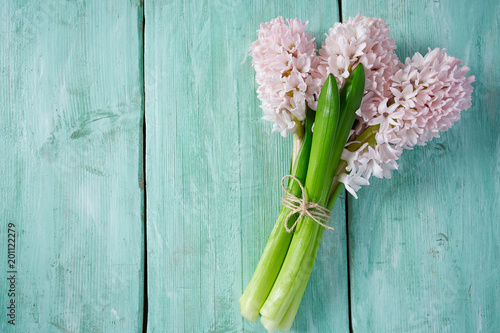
x=70, y=129
x=213, y=169
x=424, y=246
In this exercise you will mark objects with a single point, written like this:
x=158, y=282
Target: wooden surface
x=71, y=91
x=422, y=250
x=425, y=245
x=213, y=170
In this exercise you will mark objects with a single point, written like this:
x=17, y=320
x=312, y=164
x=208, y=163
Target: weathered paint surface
x=425, y=245
x=70, y=129
x=213, y=169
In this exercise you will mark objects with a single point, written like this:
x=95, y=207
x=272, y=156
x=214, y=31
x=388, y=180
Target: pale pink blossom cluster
x=361, y=40
x=409, y=103
x=427, y=96
x=284, y=55
x=368, y=161
x=430, y=92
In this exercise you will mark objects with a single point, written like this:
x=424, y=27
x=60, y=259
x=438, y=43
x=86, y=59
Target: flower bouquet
x=351, y=109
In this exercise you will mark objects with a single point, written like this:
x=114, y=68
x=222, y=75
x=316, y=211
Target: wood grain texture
x=425, y=245
x=213, y=169
x=70, y=128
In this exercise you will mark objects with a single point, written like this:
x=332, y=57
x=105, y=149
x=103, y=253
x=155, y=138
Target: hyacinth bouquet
x=352, y=108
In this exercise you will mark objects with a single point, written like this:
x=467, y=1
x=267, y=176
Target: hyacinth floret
x=284, y=56
x=361, y=40
x=428, y=94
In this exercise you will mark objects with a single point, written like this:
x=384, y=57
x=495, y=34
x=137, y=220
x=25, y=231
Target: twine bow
x=317, y=213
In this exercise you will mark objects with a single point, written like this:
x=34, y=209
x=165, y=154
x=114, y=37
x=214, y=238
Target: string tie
x=301, y=206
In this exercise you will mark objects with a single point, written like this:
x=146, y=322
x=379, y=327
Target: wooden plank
x=71, y=91
x=213, y=169
x=424, y=246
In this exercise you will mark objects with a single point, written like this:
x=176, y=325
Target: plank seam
x=346, y=203
x=346, y=209
x=145, y=198
x=340, y=10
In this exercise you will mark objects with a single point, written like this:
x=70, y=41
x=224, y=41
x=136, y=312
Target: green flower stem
x=287, y=321
x=277, y=246
x=350, y=100
x=368, y=136
x=281, y=306
x=295, y=148
x=317, y=187
x=289, y=285
x=298, y=137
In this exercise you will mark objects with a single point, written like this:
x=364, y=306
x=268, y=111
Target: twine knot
x=316, y=212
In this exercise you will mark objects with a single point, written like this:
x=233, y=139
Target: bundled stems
x=276, y=248
x=282, y=274
x=318, y=181
x=282, y=304
x=287, y=321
